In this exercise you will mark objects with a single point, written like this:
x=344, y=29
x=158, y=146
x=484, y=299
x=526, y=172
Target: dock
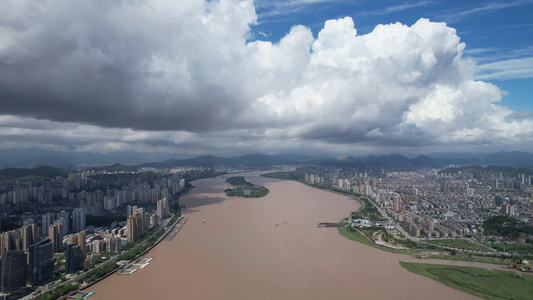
x=328, y=224
x=84, y=295
x=140, y=263
x=126, y=271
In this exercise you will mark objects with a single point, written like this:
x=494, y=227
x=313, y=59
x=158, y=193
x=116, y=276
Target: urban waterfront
x=240, y=253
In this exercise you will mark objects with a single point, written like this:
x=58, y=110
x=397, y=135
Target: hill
x=117, y=162
x=32, y=158
x=40, y=172
x=256, y=160
x=113, y=168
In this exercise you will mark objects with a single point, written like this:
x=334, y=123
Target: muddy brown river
x=240, y=252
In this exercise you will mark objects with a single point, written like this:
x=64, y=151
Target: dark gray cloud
x=121, y=65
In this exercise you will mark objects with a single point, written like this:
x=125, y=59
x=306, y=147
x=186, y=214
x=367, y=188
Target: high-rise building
x=430, y=226
x=64, y=217
x=78, y=220
x=73, y=239
x=140, y=210
x=131, y=209
x=113, y=244
x=159, y=210
x=498, y=200
x=81, y=242
x=152, y=220
x=508, y=209
x=134, y=227
x=396, y=203
x=374, y=182
x=14, y=271
x=55, y=234
x=41, y=262
x=29, y=235
x=18, y=239
x=73, y=259
x=145, y=219
x=163, y=210
x=368, y=189
x=8, y=241
x=347, y=185
x=445, y=187
x=47, y=218
x=35, y=233
x=340, y=183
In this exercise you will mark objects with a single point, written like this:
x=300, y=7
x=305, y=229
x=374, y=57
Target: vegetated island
x=242, y=188
x=488, y=284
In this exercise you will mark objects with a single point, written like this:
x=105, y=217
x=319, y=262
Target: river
x=269, y=248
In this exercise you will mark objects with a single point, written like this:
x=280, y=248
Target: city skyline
x=235, y=77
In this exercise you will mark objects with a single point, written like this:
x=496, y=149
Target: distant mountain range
x=250, y=160
x=32, y=158
x=433, y=160
x=123, y=161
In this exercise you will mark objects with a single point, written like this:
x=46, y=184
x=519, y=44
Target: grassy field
x=481, y=259
x=358, y=237
x=355, y=236
x=457, y=243
x=367, y=211
x=514, y=248
x=488, y=284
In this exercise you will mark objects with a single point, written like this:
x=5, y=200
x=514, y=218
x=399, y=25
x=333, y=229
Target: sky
x=234, y=77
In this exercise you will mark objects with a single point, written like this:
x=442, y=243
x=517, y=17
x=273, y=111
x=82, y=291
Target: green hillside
x=47, y=172
x=113, y=168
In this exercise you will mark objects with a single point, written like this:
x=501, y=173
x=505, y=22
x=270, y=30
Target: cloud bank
x=105, y=76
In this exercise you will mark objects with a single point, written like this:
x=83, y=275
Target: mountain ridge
x=261, y=160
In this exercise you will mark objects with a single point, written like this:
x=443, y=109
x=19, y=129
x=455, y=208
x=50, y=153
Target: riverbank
x=358, y=236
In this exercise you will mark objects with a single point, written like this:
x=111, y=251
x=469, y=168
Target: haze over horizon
x=235, y=77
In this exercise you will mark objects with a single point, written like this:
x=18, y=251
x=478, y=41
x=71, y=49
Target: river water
x=240, y=253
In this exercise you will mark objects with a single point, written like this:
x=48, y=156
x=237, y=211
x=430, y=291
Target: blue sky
x=494, y=31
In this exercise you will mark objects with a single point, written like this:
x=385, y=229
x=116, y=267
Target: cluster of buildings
x=98, y=192
x=27, y=254
x=47, y=220
x=430, y=203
